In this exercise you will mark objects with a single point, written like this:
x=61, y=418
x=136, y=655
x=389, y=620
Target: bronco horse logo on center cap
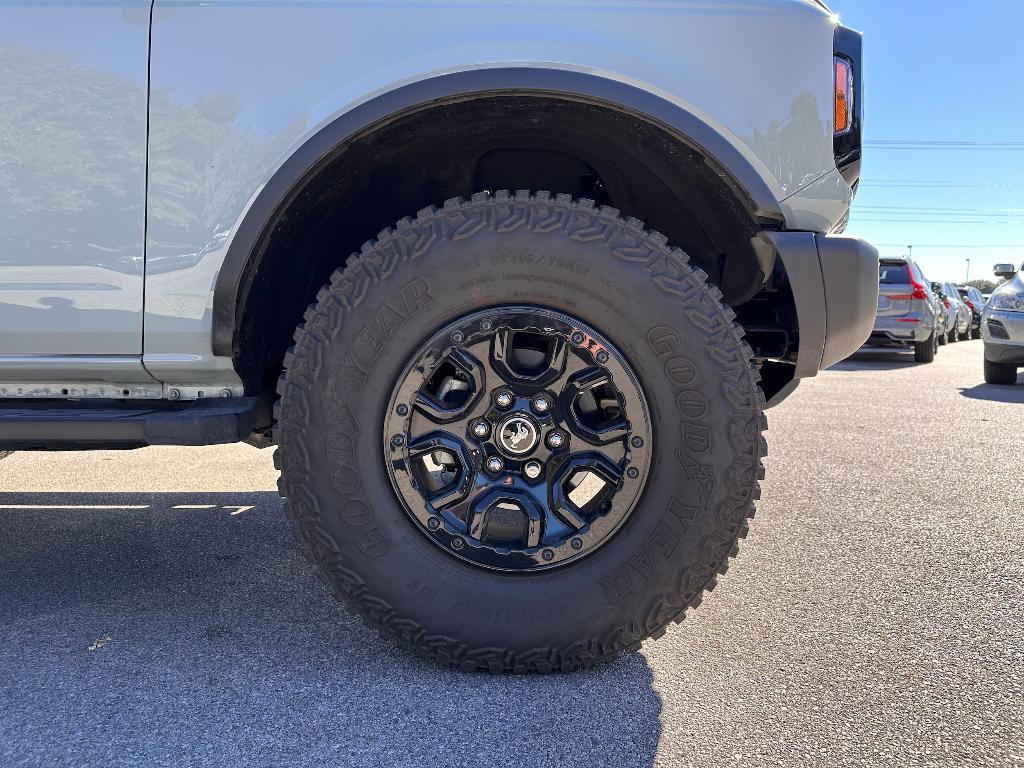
x=517, y=435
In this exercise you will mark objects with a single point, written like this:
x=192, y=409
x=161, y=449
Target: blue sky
x=942, y=71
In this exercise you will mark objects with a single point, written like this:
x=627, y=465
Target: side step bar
x=39, y=425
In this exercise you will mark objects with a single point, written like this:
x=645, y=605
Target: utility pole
x=910, y=252
x=968, y=270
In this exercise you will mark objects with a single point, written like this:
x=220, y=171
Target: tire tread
x=670, y=271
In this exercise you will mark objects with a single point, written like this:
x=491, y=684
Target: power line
x=950, y=211
x=961, y=142
x=984, y=146
x=969, y=218
x=896, y=220
x=911, y=183
x=1019, y=246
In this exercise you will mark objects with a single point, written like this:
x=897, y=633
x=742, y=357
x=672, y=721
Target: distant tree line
x=985, y=286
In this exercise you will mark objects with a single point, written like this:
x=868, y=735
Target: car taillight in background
x=919, y=291
x=969, y=303
x=945, y=302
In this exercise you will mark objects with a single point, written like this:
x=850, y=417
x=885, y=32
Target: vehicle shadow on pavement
x=187, y=629
x=877, y=360
x=997, y=394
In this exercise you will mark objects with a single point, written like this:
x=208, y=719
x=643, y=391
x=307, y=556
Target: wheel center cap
x=517, y=434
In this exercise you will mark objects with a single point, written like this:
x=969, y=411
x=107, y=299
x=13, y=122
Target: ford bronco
x=508, y=285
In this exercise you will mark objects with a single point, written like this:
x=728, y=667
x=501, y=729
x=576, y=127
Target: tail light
x=946, y=303
x=918, y=293
x=844, y=95
x=848, y=84
x=969, y=303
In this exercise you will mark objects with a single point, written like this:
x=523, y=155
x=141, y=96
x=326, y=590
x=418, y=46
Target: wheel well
x=493, y=141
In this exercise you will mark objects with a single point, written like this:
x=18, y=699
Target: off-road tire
x=1000, y=373
x=924, y=351
x=622, y=279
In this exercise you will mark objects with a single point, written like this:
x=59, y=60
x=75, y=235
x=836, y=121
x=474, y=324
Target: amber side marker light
x=844, y=95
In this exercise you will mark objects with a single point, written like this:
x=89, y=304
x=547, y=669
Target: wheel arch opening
x=457, y=146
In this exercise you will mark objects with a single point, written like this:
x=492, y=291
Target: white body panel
x=236, y=87
x=239, y=86
x=73, y=94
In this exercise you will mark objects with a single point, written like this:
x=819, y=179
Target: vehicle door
x=73, y=103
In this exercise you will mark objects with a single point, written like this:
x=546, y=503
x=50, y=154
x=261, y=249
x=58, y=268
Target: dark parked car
x=972, y=298
x=909, y=312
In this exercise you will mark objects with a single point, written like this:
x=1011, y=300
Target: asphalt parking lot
x=155, y=610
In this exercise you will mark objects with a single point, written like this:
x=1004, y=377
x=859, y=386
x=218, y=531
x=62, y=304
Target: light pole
x=910, y=252
x=967, y=279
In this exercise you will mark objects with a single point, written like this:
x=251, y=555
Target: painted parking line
x=234, y=509
x=75, y=506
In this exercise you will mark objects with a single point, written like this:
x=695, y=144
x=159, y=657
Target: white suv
x=510, y=285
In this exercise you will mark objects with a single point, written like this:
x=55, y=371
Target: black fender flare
x=302, y=165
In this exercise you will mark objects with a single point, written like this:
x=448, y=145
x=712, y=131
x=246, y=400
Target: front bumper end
x=1003, y=334
x=835, y=288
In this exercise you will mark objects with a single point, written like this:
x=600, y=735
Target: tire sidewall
x=692, y=366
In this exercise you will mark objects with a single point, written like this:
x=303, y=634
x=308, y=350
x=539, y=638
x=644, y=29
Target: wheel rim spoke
x=458, y=383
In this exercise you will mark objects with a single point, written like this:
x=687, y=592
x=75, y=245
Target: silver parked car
x=976, y=303
x=910, y=314
x=1002, y=327
x=960, y=312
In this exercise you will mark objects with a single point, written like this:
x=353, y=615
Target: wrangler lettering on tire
x=531, y=410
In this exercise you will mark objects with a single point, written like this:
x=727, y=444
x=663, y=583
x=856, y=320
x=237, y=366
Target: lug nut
x=541, y=404
x=458, y=337
x=602, y=357
x=481, y=429
x=533, y=469
x=504, y=399
x=495, y=465
x=556, y=440
x=486, y=325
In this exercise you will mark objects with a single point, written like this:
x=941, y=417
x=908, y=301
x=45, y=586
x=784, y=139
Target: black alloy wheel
x=518, y=439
